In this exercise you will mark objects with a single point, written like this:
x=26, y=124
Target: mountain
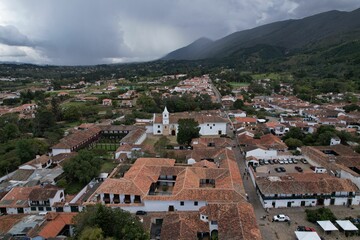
x=195, y=48
x=276, y=39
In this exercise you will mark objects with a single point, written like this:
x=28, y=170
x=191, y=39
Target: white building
x=210, y=122
x=31, y=199
x=335, y=141
x=260, y=153
x=306, y=189
x=156, y=184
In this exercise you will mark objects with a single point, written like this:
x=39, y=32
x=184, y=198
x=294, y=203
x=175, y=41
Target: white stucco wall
x=260, y=153
x=59, y=150
x=346, y=175
x=156, y=128
x=212, y=128
x=15, y=211
x=206, y=129
x=141, y=139
x=163, y=206
x=280, y=203
x=57, y=197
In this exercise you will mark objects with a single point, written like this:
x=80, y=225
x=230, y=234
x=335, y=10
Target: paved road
x=216, y=91
x=253, y=197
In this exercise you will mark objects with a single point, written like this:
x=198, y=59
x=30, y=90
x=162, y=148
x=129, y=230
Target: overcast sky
x=79, y=32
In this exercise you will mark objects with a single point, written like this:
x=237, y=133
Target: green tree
x=90, y=233
x=27, y=149
x=115, y=223
x=294, y=132
x=10, y=131
x=83, y=167
x=293, y=143
x=188, y=129
x=72, y=113
x=147, y=104
x=238, y=104
x=161, y=144
x=55, y=108
x=319, y=215
x=43, y=121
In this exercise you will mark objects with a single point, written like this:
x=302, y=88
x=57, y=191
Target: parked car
x=278, y=170
x=299, y=169
x=305, y=229
x=291, y=161
x=295, y=161
x=286, y=161
x=281, y=218
x=282, y=169
x=266, y=162
x=271, y=161
x=275, y=161
x=304, y=161
x=281, y=161
x=140, y=212
x=261, y=162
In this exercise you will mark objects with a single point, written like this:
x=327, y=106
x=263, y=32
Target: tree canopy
x=188, y=129
x=100, y=222
x=83, y=167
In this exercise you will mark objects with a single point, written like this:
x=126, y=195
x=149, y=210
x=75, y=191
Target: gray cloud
x=96, y=31
x=10, y=35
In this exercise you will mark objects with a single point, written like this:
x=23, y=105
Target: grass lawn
x=107, y=146
x=272, y=76
x=108, y=166
x=239, y=84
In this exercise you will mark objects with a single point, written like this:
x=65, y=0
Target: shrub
x=320, y=214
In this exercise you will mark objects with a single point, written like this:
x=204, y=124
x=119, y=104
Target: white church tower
x=165, y=121
x=165, y=117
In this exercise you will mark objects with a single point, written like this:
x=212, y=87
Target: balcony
x=39, y=204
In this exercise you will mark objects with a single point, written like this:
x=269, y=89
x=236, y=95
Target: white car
x=281, y=218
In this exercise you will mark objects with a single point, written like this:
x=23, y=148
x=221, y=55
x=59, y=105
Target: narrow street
x=253, y=198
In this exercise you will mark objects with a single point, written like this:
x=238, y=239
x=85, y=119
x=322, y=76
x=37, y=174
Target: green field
x=272, y=76
x=239, y=84
x=108, y=166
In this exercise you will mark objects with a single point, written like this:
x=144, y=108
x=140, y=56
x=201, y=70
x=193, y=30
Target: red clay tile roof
x=305, y=183
x=183, y=226
x=245, y=120
x=56, y=222
x=77, y=138
x=219, y=142
x=43, y=159
x=41, y=194
x=8, y=221
x=146, y=171
x=235, y=220
x=17, y=197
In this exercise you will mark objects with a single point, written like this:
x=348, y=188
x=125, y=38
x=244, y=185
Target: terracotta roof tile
x=56, y=222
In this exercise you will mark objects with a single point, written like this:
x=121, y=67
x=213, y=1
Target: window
x=181, y=203
x=196, y=203
x=210, y=127
x=41, y=208
x=214, y=124
x=33, y=208
x=48, y=209
x=158, y=131
x=158, y=126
